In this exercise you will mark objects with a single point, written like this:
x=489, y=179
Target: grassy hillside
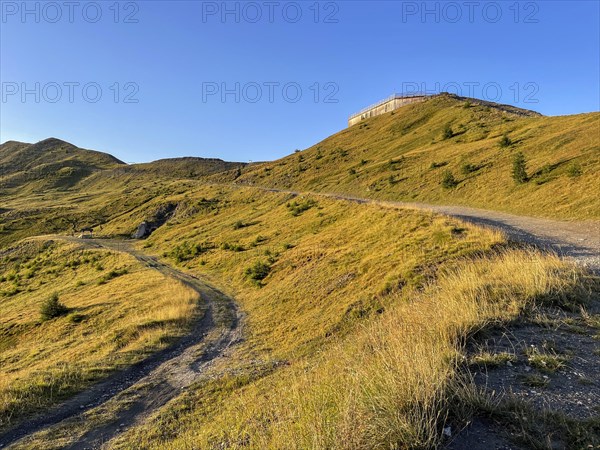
x=407, y=153
x=353, y=256
x=182, y=168
x=118, y=312
x=48, y=164
x=390, y=383
x=355, y=314
x=49, y=211
x=53, y=186
x=403, y=155
x=53, y=164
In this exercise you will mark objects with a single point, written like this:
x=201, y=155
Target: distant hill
x=446, y=150
x=407, y=153
x=179, y=168
x=55, y=186
x=48, y=164
x=56, y=164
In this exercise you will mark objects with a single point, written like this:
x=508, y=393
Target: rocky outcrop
x=143, y=231
x=158, y=218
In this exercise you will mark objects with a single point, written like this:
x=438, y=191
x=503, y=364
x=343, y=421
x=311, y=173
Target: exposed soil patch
x=548, y=361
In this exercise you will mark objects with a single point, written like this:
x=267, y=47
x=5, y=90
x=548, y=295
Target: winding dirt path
x=144, y=387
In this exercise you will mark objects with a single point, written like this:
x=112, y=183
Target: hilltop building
x=391, y=103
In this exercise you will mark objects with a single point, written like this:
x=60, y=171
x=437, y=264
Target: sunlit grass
x=108, y=325
x=351, y=338
x=367, y=310
x=384, y=386
x=403, y=156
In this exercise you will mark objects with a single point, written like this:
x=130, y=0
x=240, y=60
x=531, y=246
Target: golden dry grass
x=112, y=322
x=384, y=386
x=402, y=155
x=331, y=266
x=355, y=333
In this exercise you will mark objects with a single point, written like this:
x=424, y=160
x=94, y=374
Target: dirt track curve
x=149, y=384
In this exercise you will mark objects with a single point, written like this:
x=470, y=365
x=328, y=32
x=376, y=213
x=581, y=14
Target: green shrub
x=505, y=141
x=574, y=170
x=52, y=308
x=112, y=274
x=448, y=180
x=115, y=273
x=207, y=205
x=519, y=170
x=232, y=247
x=435, y=165
x=259, y=271
x=297, y=208
x=468, y=168
x=188, y=250
x=447, y=133
x=75, y=318
x=259, y=240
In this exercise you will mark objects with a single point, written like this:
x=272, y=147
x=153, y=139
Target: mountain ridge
x=402, y=155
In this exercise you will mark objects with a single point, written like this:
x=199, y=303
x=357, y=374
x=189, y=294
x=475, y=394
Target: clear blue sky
x=174, y=58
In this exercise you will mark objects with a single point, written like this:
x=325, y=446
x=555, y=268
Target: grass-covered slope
x=390, y=383
x=182, y=168
x=118, y=312
x=354, y=314
x=48, y=164
x=53, y=186
x=354, y=318
x=302, y=267
x=405, y=155
x=24, y=214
